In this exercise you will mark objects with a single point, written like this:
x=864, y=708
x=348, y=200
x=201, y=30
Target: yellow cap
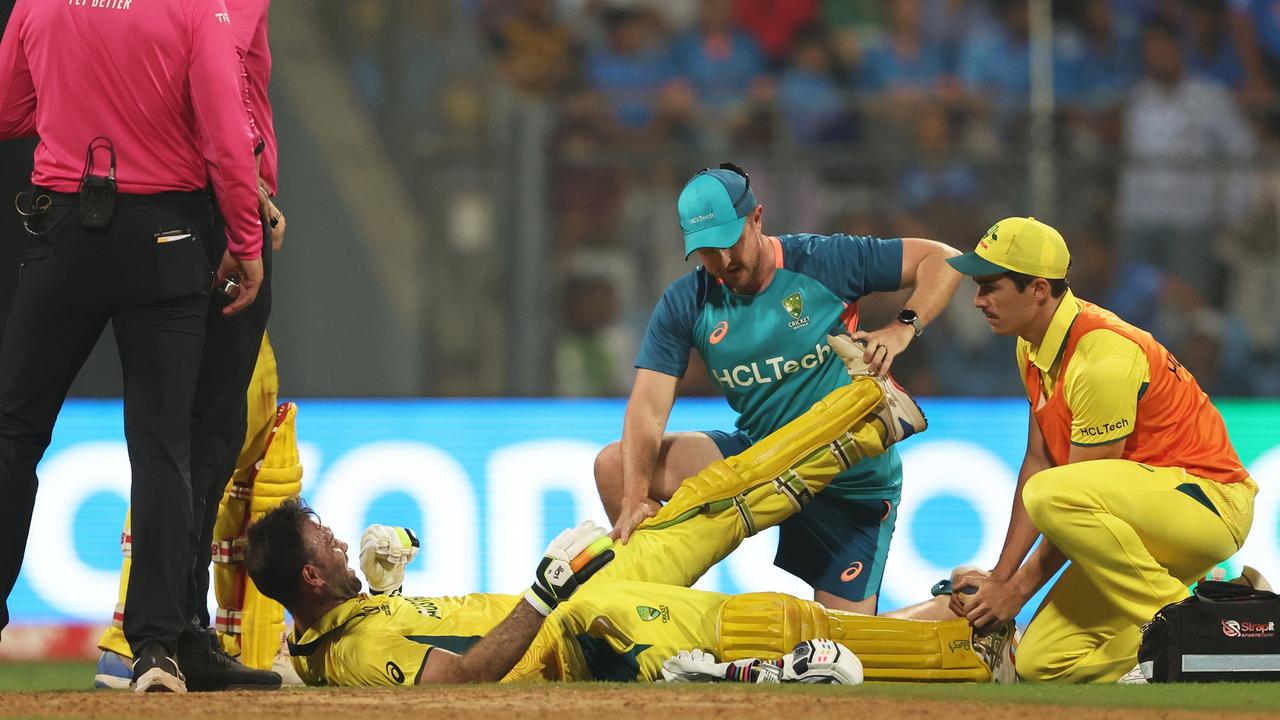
x=1023, y=245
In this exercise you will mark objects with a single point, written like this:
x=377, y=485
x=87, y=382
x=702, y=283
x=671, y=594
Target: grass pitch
x=44, y=687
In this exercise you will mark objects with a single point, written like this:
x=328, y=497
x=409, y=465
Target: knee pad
x=767, y=625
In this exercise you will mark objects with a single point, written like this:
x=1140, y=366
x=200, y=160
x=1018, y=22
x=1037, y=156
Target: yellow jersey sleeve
x=375, y=656
x=1104, y=380
x=1021, y=353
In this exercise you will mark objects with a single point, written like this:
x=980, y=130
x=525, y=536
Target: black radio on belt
x=98, y=192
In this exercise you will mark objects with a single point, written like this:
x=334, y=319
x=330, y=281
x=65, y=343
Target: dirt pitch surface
x=611, y=702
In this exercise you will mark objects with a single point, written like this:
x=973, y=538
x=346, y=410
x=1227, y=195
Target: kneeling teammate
x=638, y=611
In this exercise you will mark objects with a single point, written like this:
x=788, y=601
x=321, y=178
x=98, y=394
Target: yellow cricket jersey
x=384, y=640
x=1103, y=382
x=621, y=630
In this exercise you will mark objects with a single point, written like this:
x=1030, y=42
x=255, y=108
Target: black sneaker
x=209, y=667
x=154, y=671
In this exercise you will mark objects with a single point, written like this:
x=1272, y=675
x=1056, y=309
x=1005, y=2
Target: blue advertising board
x=487, y=483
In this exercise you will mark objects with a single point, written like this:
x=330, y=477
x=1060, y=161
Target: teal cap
x=713, y=208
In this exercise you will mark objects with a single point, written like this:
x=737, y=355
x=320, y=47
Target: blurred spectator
x=536, y=50
x=964, y=356
x=1133, y=291
x=995, y=64
x=588, y=351
x=441, y=58
x=1255, y=26
x=1212, y=352
x=587, y=194
x=1251, y=251
x=809, y=98
x=719, y=60
x=369, y=25
x=939, y=188
x=1180, y=135
x=1099, y=63
x=1210, y=51
x=775, y=23
x=901, y=62
x=632, y=67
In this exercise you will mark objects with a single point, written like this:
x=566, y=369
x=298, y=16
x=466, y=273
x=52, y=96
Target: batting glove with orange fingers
x=570, y=560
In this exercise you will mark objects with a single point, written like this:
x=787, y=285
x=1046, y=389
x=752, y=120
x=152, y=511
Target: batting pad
x=809, y=439
x=769, y=625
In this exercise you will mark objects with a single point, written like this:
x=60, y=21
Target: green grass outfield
x=1257, y=697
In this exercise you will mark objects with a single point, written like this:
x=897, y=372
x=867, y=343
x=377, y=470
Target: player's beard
x=748, y=285
x=347, y=584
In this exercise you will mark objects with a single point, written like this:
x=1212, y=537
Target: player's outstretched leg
x=730, y=500
x=767, y=625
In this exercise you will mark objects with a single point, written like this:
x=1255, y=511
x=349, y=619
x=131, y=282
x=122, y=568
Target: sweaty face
x=1007, y=310
x=329, y=556
x=738, y=266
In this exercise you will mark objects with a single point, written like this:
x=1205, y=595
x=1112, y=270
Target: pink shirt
x=249, y=23
x=157, y=77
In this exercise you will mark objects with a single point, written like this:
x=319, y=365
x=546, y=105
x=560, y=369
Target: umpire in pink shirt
x=125, y=96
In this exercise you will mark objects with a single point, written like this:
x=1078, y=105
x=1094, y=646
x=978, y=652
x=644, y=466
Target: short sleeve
x=669, y=337
x=376, y=658
x=850, y=266
x=1104, y=382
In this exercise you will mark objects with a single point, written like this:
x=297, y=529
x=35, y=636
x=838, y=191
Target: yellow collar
x=359, y=606
x=1044, y=355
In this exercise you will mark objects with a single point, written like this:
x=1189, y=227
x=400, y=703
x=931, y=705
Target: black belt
x=61, y=199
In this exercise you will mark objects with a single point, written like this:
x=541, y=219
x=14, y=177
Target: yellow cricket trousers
x=1137, y=536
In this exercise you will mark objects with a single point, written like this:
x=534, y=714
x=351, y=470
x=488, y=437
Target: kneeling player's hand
x=570, y=560
x=384, y=551
x=822, y=661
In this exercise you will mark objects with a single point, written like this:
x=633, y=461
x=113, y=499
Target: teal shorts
x=838, y=545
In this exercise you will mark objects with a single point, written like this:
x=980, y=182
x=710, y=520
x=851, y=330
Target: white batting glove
x=850, y=353
x=384, y=551
x=570, y=560
x=698, y=665
x=822, y=661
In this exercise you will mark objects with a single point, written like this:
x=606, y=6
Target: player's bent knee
x=1041, y=494
x=1035, y=662
x=608, y=469
x=1036, y=668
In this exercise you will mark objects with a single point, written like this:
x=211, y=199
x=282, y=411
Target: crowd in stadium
x=893, y=118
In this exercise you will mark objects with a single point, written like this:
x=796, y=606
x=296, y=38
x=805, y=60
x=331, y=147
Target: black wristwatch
x=909, y=317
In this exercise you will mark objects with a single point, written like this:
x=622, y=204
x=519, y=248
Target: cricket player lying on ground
x=638, y=612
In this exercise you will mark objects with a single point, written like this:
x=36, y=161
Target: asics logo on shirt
x=718, y=332
x=774, y=368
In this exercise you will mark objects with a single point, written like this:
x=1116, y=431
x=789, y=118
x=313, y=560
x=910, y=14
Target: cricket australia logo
x=989, y=237
x=649, y=614
x=794, y=304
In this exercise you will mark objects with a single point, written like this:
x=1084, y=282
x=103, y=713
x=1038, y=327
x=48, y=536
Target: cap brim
x=974, y=265
x=724, y=235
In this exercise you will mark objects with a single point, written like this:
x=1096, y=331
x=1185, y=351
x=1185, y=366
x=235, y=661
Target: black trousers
x=149, y=276
x=218, y=422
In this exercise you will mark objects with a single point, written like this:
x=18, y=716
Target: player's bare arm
x=925, y=270
x=648, y=408
x=490, y=659
x=998, y=601
x=1010, y=586
x=1021, y=534
x=570, y=560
